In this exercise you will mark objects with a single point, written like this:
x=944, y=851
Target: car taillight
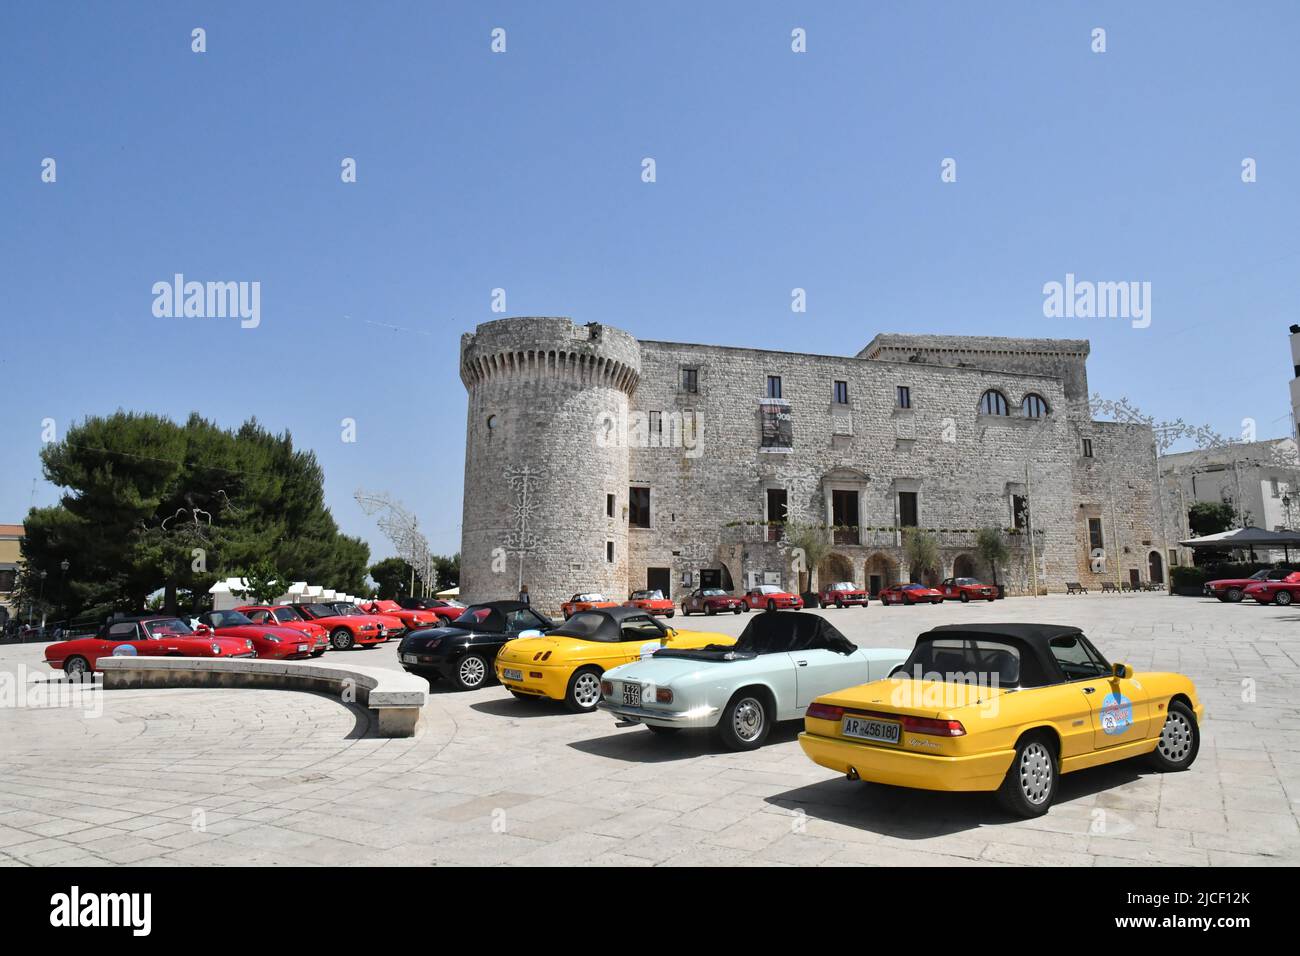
x=606, y=688
x=931, y=725
x=663, y=695
x=825, y=712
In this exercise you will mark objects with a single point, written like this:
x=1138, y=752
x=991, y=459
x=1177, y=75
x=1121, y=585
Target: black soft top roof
x=609, y=629
x=1036, y=635
x=775, y=631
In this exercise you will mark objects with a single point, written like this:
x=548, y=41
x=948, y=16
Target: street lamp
x=63, y=577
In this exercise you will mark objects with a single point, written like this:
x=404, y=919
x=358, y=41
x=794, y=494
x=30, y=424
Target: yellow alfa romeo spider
x=1005, y=708
x=566, y=663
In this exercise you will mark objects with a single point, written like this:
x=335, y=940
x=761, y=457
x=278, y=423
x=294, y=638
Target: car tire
x=671, y=613
x=1031, y=781
x=341, y=639
x=319, y=653
x=745, y=721
x=662, y=731
x=583, y=692
x=472, y=672
x=710, y=610
x=1233, y=596
x=1180, y=740
x=737, y=610
x=965, y=598
x=76, y=666
x=839, y=603
x=1282, y=598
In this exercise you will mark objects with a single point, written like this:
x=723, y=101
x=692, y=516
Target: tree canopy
x=149, y=503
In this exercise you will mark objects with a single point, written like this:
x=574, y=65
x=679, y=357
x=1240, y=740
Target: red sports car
x=652, y=600
x=769, y=597
x=411, y=618
x=269, y=640
x=585, y=601
x=910, y=594
x=1281, y=592
x=393, y=626
x=965, y=589
x=346, y=630
x=146, y=635
x=711, y=601
x=447, y=610
x=1234, y=589
x=842, y=594
x=285, y=616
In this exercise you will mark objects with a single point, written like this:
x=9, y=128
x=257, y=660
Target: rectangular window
x=656, y=422
x=638, y=507
x=776, y=502
x=774, y=386
x=690, y=380
x=841, y=393
x=844, y=516
x=1019, y=512
x=904, y=396
x=8, y=578
x=609, y=506
x=907, y=510
x=1095, y=538
x=1277, y=491
x=609, y=551
x=1087, y=448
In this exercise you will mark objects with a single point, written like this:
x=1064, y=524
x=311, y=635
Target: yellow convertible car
x=566, y=663
x=1005, y=708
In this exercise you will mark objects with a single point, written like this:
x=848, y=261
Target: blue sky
x=522, y=171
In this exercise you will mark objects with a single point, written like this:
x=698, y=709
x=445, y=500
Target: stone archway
x=880, y=572
x=963, y=566
x=1155, y=568
x=834, y=567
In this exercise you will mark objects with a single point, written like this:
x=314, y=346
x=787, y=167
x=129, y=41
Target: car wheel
x=839, y=603
x=1233, y=595
x=1180, y=740
x=341, y=639
x=666, y=731
x=737, y=610
x=710, y=610
x=670, y=613
x=745, y=722
x=584, y=690
x=1030, y=784
x=771, y=605
x=318, y=653
x=471, y=672
x=1282, y=598
x=964, y=597
x=76, y=666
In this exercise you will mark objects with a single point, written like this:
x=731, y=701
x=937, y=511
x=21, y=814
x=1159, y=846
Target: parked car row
x=1001, y=708
x=1269, y=586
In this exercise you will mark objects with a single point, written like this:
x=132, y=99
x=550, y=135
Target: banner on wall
x=778, y=423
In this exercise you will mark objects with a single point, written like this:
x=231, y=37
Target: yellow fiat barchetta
x=566, y=663
x=1005, y=708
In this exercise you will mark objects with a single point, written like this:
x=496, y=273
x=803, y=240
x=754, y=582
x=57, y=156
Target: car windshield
x=842, y=586
x=348, y=610
x=226, y=619
x=647, y=595
x=713, y=592
x=321, y=610
x=287, y=614
x=589, y=597
x=1260, y=576
x=767, y=589
x=474, y=616
x=965, y=581
x=167, y=627
x=913, y=587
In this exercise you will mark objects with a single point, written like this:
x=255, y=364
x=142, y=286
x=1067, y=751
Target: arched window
x=993, y=403
x=1034, y=406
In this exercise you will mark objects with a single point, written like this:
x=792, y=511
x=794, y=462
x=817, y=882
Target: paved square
x=209, y=777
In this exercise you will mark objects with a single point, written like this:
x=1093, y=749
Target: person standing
x=523, y=595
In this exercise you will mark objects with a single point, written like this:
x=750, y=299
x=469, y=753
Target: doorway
x=660, y=579
x=1155, y=568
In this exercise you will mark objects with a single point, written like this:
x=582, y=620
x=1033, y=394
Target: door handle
x=802, y=663
x=1090, y=690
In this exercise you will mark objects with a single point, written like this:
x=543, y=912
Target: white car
x=780, y=664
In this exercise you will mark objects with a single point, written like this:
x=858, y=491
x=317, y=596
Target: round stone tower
x=543, y=449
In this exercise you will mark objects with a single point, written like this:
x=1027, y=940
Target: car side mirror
x=1122, y=671
x=531, y=632
x=202, y=629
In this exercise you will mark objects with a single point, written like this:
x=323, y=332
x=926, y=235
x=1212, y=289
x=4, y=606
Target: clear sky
x=522, y=171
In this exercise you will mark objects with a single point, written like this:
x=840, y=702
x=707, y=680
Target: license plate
x=510, y=673
x=302, y=648
x=631, y=694
x=867, y=728
x=410, y=659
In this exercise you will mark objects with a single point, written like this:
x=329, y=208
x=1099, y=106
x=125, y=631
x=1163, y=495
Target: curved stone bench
x=395, y=697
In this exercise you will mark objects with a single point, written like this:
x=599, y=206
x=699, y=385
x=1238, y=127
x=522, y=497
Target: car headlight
x=269, y=637
x=248, y=644
x=216, y=648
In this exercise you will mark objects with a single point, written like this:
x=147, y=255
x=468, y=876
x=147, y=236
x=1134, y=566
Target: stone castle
x=599, y=462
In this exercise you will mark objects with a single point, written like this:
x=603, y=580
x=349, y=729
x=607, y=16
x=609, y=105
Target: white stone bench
x=395, y=697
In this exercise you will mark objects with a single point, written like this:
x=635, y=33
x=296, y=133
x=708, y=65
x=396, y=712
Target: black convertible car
x=464, y=650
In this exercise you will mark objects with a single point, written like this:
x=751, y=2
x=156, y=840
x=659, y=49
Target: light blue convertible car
x=782, y=661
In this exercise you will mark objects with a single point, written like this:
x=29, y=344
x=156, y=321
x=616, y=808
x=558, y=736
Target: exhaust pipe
x=852, y=774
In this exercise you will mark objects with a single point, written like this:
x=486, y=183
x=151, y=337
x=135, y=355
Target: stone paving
x=213, y=777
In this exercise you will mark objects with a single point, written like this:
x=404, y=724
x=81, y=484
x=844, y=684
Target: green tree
x=264, y=583
x=1210, y=517
x=809, y=544
x=151, y=504
x=392, y=577
x=921, y=551
x=991, y=546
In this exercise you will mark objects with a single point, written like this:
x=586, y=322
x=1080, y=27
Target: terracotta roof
x=11, y=530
